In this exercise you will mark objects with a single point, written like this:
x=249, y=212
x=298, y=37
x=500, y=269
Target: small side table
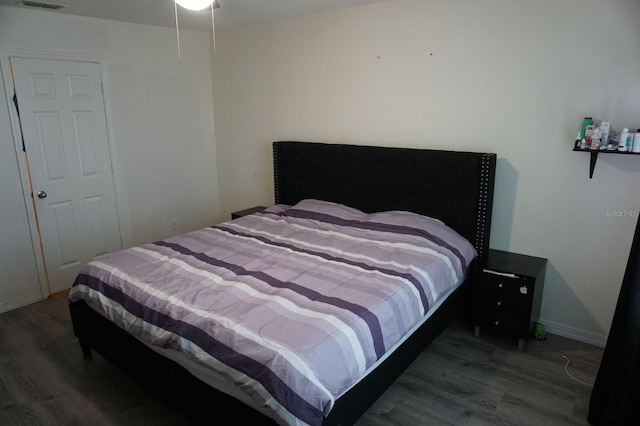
x=246, y=212
x=507, y=294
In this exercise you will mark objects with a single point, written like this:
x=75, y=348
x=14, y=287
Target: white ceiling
x=161, y=12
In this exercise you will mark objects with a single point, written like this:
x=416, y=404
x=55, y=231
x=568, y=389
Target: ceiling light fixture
x=197, y=5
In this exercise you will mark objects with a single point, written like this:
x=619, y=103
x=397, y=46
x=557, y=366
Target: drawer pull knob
x=500, y=285
x=497, y=322
x=499, y=302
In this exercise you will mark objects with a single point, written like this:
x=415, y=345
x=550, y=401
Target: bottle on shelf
x=622, y=140
x=588, y=121
x=589, y=134
x=605, y=128
x=595, y=138
x=578, y=140
x=636, y=141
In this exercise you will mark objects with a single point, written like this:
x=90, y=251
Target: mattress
x=291, y=306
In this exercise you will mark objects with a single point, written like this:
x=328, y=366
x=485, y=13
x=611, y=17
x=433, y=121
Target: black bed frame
x=454, y=186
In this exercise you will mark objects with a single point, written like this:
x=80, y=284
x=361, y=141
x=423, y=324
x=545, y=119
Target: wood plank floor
x=457, y=380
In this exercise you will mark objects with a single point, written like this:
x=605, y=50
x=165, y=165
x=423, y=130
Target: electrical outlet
x=174, y=223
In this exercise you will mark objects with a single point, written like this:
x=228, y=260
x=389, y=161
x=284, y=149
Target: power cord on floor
x=566, y=368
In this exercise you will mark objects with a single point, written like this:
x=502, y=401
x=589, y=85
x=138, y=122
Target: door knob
x=41, y=194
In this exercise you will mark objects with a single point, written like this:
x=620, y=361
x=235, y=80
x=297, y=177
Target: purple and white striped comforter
x=292, y=305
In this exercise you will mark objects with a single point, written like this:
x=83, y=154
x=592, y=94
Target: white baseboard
x=574, y=333
x=20, y=302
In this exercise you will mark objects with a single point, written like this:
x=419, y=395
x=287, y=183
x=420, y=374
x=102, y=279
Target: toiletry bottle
x=622, y=139
x=586, y=122
x=589, y=134
x=595, y=138
x=636, y=141
x=605, y=128
x=578, y=140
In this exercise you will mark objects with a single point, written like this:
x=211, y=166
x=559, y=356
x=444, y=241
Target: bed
x=337, y=318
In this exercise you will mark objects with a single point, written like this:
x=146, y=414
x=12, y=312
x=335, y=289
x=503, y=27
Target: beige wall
x=511, y=77
x=161, y=110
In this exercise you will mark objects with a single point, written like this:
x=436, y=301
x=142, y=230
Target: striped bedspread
x=292, y=305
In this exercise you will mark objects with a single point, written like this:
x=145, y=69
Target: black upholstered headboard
x=455, y=187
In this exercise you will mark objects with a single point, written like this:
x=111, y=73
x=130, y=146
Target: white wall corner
x=21, y=301
x=574, y=333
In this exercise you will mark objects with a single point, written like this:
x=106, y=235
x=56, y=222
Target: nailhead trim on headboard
x=276, y=174
x=484, y=209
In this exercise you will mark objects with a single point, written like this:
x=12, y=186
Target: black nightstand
x=246, y=212
x=507, y=294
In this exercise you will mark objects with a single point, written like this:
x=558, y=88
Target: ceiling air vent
x=42, y=5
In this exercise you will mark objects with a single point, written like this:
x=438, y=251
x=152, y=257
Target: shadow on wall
x=573, y=308
x=556, y=287
x=504, y=201
x=625, y=163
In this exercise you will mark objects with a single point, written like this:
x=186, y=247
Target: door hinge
x=15, y=103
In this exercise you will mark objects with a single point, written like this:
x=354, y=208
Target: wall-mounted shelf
x=594, y=156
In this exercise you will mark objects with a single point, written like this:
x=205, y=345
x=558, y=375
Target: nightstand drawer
x=505, y=287
x=519, y=306
x=506, y=324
